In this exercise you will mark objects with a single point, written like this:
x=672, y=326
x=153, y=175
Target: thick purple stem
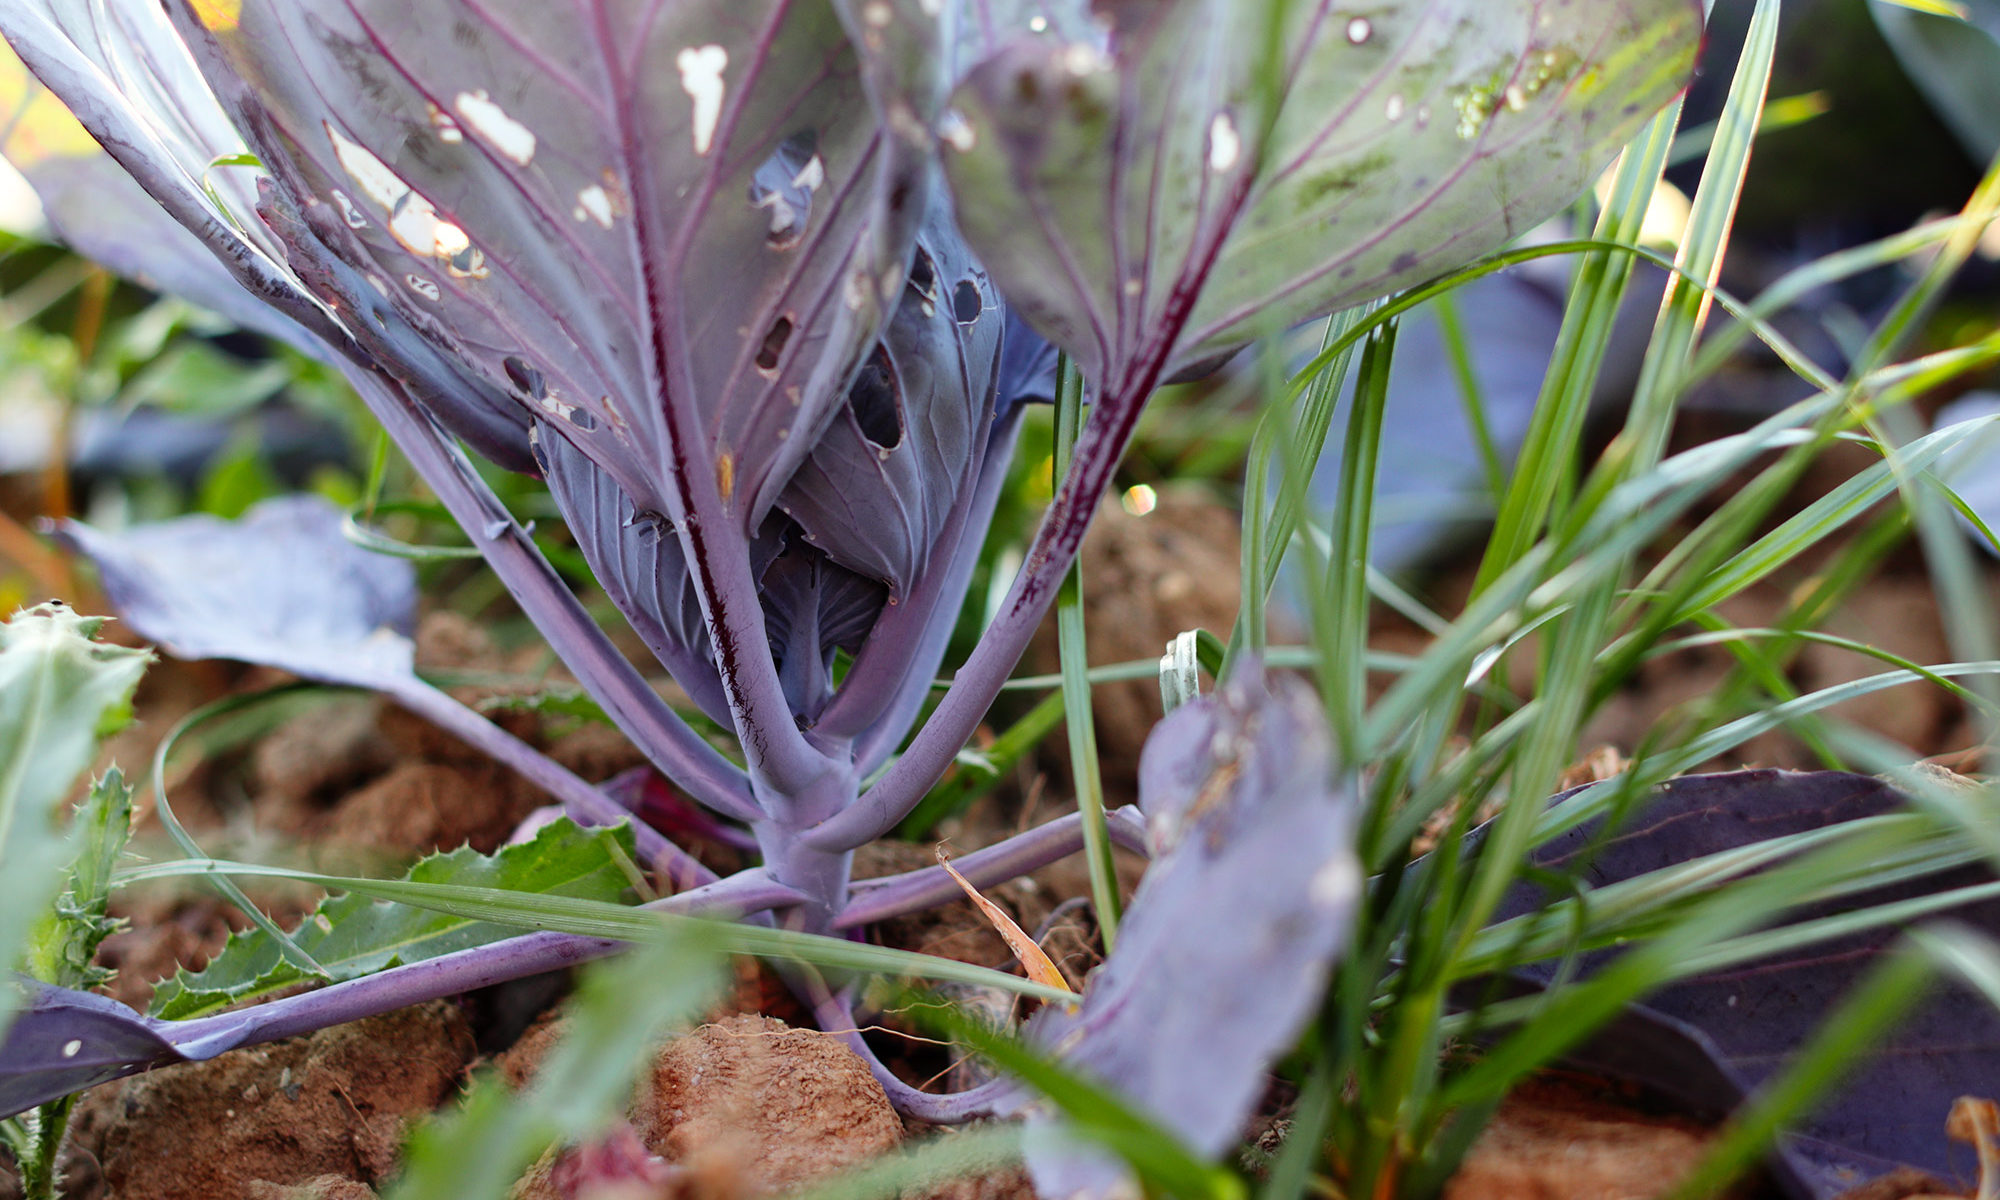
x=820, y=875
x=780, y=757
x=451, y=974
x=874, y=900
x=580, y=799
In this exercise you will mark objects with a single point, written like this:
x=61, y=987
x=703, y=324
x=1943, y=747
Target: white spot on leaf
x=1359, y=30
x=956, y=131
x=1394, y=108
x=72, y=1047
x=1038, y=24
x=369, y=173
x=701, y=78
x=594, y=203
x=423, y=287
x=1224, y=147
x=495, y=127
x=448, y=239
x=447, y=128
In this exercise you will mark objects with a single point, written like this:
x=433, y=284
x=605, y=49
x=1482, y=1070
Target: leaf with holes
x=658, y=229
x=1197, y=180
x=886, y=482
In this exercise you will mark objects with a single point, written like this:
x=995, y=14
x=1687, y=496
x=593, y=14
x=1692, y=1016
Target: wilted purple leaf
x=1891, y=1109
x=283, y=587
x=1128, y=200
x=653, y=230
x=1241, y=914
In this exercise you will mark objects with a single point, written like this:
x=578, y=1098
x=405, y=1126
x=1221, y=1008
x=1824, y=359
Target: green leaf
x=60, y=691
x=61, y=950
x=352, y=935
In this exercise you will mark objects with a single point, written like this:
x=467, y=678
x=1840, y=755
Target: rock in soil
x=745, y=1106
x=786, y=1105
x=335, y=1104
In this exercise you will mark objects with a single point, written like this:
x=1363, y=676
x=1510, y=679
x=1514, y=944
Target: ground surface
x=746, y=1103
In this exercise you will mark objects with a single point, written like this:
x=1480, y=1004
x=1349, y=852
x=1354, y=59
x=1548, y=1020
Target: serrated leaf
x=62, y=948
x=353, y=936
x=60, y=691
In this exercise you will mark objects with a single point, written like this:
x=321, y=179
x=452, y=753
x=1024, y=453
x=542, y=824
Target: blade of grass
x=595, y=919
x=1078, y=713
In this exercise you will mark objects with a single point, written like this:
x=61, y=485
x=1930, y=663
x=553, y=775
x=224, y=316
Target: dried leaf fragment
x=1039, y=966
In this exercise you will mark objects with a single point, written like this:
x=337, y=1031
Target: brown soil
x=1146, y=579
x=741, y=1107
x=336, y=1104
x=1564, y=1140
x=749, y=1104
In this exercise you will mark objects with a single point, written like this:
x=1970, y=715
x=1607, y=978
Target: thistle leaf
x=353, y=936
x=60, y=691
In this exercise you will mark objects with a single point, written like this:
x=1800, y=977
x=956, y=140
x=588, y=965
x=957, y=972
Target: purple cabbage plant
x=758, y=289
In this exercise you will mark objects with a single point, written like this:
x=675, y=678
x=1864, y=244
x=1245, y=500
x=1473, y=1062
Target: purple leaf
x=129, y=79
x=888, y=481
x=64, y=1041
x=1892, y=1108
x=95, y=207
x=812, y=607
x=1130, y=203
x=660, y=231
x=640, y=564
x=1231, y=935
x=282, y=587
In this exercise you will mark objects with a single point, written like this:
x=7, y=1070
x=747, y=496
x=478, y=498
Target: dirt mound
x=293, y=1113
